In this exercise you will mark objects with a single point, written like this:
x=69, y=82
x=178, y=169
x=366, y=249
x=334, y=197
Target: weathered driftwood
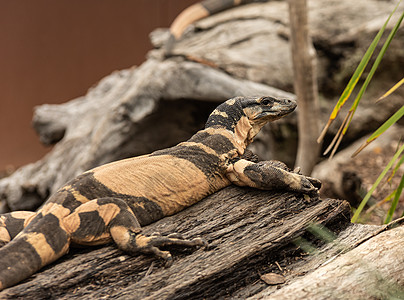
x=239, y=40
x=372, y=269
x=248, y=231
x=252, y=42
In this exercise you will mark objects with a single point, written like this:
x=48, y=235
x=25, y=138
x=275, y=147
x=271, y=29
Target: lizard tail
x=40, y=243
x=196, y=12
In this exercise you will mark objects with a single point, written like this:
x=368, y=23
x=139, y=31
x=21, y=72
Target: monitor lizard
x=111, y=202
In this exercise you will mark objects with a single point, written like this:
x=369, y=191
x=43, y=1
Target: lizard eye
x=266, y=101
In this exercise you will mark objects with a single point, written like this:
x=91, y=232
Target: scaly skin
x=113, y=201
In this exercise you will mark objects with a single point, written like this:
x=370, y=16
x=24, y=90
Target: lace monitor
x=111, y=202
x=196, y=12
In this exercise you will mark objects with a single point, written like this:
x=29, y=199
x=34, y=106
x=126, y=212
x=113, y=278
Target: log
x=248, y=232
x=372, y=270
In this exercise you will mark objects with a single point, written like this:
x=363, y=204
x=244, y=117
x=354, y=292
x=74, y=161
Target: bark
x=305, y=82
x=372, y=270
x=248, y=231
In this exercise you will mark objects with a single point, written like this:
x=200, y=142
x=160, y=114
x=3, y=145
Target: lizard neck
x=223, y=141
x=243, y=134
x=229, y=120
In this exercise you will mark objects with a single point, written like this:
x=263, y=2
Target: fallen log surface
x=248, y=231
x=373, y=269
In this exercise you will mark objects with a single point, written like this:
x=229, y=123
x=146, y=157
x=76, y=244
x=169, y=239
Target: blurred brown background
x=53, y=51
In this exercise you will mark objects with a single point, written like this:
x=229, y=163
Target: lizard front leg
x=268, y=175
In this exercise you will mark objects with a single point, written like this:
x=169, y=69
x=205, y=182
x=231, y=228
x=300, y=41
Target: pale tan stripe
x=29, y=219
x=4, y=235
x=76, y=194
x=2, y=221
x=22, y=214
x=121, y=237
x=106, y=211
x=231, y=101
x=220, y=113
x=226, y=133
x=72, y=221
x=187, y=17
x=79, y=197
x=56, y=209
x=200, y=146
x=41, y=246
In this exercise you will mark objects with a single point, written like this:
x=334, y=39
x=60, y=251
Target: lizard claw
x=297, y=170
x=315, y=182
x=201, y=242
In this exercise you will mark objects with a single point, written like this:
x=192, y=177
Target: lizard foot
x=152, y=244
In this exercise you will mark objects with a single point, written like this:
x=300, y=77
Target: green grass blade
x=362, y=65
x=394, y=203
x=356, y=76
x=400, y=162
x=374, y=67
x=377, y=182
x=386, y=125
x=321, y=232
x=392, y=120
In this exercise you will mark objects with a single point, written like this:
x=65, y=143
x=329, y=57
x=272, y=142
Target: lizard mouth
x=268, y=114
x=275, y=111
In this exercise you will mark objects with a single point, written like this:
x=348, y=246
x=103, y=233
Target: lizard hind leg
x=98, y=221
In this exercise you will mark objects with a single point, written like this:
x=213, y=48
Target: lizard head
x=245, y=116
x=266, y=109
x=261, y=110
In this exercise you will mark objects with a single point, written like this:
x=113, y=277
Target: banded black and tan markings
x=14, y=222
x=226, y=115
x=206, y=162
x=49, y=226
x=91, y=224
x=113, y=201
x=89, y=220
x=19, y=258
x=144, y=209
x=217, y=142
x=67, y=198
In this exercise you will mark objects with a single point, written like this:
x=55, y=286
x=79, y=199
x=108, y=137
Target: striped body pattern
x=112, y=202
